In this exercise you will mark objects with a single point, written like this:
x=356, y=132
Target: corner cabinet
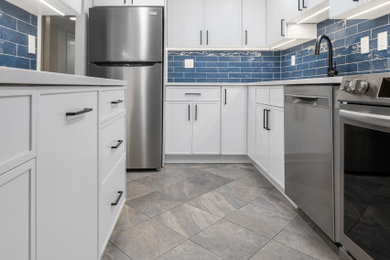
x=268, y=133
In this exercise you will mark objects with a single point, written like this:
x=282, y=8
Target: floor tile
x=241, y=191
x=217, y=203
x=113, y=253
x=187, y=220
x=266, y=222
x=183, y=170
x=135, y=189
x=230, y=241
x=136, y=175
x=276, y=251
x=189, y=251
x=159, y=181
x=128, y=218
x=148, y=240
x=208, y=180
x=154, y=203
x=257, y=180
x=231, y=171
x=301, y=236
x=185, y=190
x=273, y=199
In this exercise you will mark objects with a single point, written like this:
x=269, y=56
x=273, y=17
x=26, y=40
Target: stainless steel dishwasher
x=310, y=119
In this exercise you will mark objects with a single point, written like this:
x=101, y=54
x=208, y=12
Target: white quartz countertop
x=11, y=76
x=313, y=81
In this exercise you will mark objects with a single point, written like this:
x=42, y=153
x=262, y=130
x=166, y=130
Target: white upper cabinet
x=254, y=23
x=186, y=23
x=234, y=120
x=127, y=2
x=223, y=23
x=350, y=9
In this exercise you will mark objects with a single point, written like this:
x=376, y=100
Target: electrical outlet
x=365, y=45
x=31, y=44
x=188, y=63
x=293, y=60
x=383, y=41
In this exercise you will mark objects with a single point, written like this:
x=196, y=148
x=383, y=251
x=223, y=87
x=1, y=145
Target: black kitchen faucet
x=331, y=71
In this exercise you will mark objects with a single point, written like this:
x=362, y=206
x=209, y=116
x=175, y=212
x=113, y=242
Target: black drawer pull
x=84, y=111
x=117, y=199
x=117, y=145
x=117, y=102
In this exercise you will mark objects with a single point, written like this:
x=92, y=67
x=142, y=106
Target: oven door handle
x=372, y=119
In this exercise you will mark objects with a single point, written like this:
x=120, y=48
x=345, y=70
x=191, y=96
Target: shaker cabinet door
x=254, y=23
x=276, y=147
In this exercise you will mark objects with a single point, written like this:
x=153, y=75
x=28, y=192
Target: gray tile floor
x=211, y=211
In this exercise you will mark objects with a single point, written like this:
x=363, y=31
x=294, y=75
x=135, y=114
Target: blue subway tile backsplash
x=15, y=26
x=258, y=66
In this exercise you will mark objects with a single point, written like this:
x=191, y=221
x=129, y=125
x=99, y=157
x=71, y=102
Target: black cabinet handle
x=304, y=4
x=299, y=5
x=196, y=112
x=268, y=117
x=117, y=101
x=117, y=199
x=264, y=115
x=189, y=112
x=117, y=145
x=84, y=111
x=282, y=27
x=225, y=96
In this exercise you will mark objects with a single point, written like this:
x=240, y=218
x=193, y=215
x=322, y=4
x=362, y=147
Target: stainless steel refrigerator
x=127, y=43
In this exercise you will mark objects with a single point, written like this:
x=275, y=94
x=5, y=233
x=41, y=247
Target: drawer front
x=276, y=96
x=193, y=94
x=109, y=195
x=16, y=117
x=112, y=146
x=262, y=95
x=112, y=102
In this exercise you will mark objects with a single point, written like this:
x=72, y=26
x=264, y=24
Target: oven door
x=365, y=181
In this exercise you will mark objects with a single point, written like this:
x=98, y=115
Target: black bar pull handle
x=84, y=111
x=120, y=142
x=299, y=5
x=264, y=115
x=268, y=117
x=304, y=4
x=117, y=199
x=282, y=28
x=225, y=96
x=196, y=112
x=115, y=102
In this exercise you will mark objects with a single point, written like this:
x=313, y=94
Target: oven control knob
x=345, y=85
x=361, y=87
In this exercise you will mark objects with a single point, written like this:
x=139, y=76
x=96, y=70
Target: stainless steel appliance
x=365, y=165
x=127, y=43
x=310, y=117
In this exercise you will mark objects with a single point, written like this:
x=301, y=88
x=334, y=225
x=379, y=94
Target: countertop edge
x=16, y=77
x=313, y=81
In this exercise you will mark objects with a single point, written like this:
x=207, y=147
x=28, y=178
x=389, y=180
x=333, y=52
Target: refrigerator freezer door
x=125, y=34
x=144, y=111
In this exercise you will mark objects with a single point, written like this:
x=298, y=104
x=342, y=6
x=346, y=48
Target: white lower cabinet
x=234, y=120
x=178, y=127
x=251, y=126
x=67, y=180
x=206, y=128
x=17, y=217
x=269, y=132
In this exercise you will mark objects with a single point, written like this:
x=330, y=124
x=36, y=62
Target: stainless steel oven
x=365, y=166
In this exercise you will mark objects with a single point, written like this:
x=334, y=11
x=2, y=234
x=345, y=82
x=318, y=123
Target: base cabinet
x=17, y=217
x=67, y=160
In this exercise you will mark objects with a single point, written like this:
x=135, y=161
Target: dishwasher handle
x=315, y=101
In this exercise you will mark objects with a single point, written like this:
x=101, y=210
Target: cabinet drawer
x=16, y=138
x=193, y=94
x=109, y=196
x=262, y=95
x=112, y=146
x=276, y=96
x=112, y=102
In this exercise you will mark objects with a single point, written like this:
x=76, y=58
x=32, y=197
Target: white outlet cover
x=31, y=44
x=383, y=41
x=365, y=45
x=188, y=63
x=293, y=60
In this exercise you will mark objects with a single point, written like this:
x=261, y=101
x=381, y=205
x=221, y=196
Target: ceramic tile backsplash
x=224, y=66
x=241, y=66
x=15, y=26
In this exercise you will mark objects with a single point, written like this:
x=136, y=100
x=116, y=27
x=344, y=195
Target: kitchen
x=194, y=129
